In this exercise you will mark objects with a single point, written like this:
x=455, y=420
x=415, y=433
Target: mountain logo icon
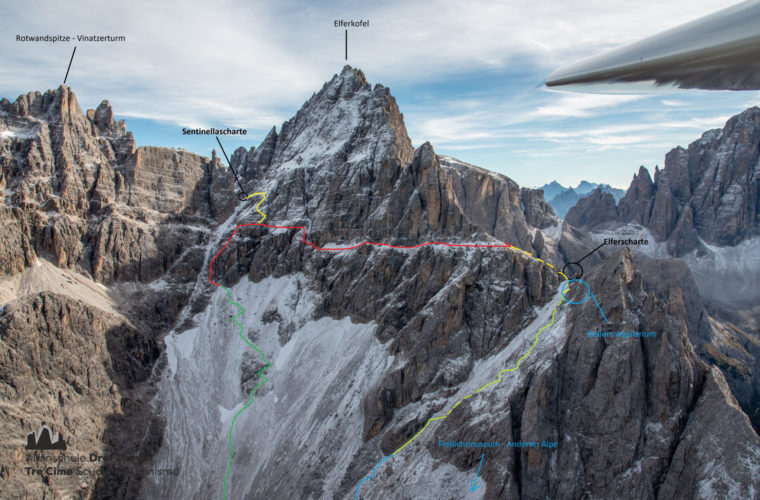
x=44, y=439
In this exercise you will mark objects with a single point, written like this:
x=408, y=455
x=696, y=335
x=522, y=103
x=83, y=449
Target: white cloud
x=248, y=63
x=252, y=65
x=492, y=118
x=583, y=105
x=673, y=102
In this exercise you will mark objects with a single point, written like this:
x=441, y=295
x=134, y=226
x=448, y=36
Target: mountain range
x=562, y=198
x=392, y=301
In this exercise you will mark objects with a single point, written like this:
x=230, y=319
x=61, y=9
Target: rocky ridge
x=439, y=314
x=707, y=193
x=367, y=345
x=78, y=194
x=702, y=207
x=345, y=165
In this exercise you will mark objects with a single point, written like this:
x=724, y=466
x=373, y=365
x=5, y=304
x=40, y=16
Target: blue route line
x=599, y=307
x=589, y=293
x=356, y=497
x=474, y=484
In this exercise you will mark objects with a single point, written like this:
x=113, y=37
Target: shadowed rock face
x=707, y=194
x=78, y=193
x=631, y=398
x=76, y=367
x=597, y=208
x=538, y=213
x=628, y=414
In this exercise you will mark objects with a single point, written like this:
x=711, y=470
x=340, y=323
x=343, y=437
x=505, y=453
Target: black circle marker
x=573, y=270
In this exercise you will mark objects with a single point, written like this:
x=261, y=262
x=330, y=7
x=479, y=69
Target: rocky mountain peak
x=709, y=191
x=425, y=155
x=598, y=207
x=634, y=206
x=744, y=121
x=61, y=107
x=102, y=119
x=61, y=102
x=347, y=136
x=344, y=119
x=350, y=78
x=103, y=115
x=92, y=191
x=552, y=189
x=642, y=181
x=585, y=187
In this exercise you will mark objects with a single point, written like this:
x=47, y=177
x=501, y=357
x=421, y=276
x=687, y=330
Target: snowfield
x=725, y=275
x=310, y=406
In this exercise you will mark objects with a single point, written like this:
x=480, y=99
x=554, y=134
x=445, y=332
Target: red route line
x=334, y=249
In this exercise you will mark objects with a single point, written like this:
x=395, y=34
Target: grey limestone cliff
x=707, y=192
x=111, y=331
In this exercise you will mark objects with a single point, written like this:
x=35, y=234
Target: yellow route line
x=263, y=197
x=540, y=260
x=554, y=312
x=442, y=417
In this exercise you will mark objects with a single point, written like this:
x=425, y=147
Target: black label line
x=592, y=251
x=346, y=45
x=67, y=69
x=230, y=165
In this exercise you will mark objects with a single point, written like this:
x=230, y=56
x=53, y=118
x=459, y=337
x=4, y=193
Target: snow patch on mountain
x=424, y=477
x=179, y=346
x=552, y=234
x=24, y=133
x=453, y=163
x=726, y=275
x=401, y=472
x=323, y=370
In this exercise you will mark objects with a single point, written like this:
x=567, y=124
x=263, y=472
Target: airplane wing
x=720, y=51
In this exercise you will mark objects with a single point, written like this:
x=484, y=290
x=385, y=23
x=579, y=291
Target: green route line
x=554, y=312
x=250, y=400
x=241, y=310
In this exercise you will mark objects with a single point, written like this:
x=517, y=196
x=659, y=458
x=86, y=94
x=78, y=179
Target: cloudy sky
x=468, y=75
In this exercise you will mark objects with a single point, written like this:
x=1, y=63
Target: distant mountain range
x=563, y=198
